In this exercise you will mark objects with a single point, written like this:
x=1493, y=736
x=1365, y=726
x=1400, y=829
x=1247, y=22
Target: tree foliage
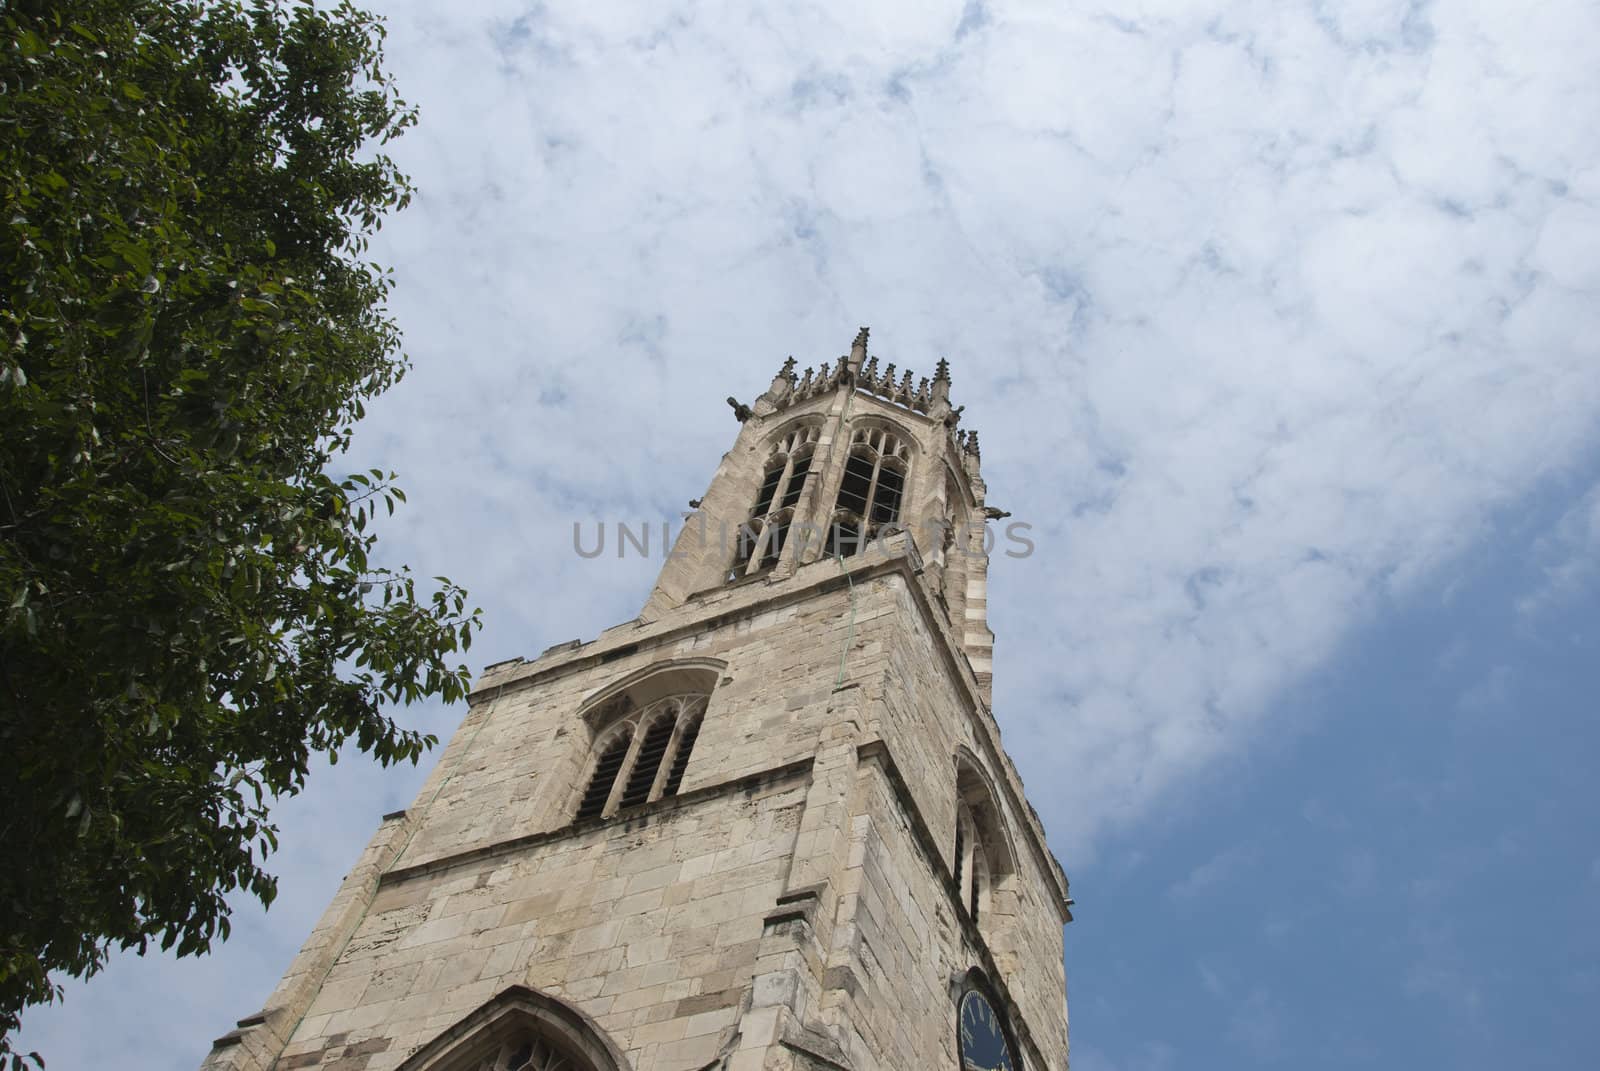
x=188, y=333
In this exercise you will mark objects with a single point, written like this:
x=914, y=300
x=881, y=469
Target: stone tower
x=768, y=824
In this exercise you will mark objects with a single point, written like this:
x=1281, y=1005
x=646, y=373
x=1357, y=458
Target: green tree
x=188, y=333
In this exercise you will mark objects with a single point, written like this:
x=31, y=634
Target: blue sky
x=1280, y=322
x=1406, y=878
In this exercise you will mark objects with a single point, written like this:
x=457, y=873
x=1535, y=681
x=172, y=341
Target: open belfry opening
x=767, y=824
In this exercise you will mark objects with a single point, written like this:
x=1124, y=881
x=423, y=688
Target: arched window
x=762, y=536
x=871, y=492
x=606, y=768
x=955, y=516
x=641, y=753
x=982, y=852
x=519, y=1029
x=971, y=870
x=530, y=1053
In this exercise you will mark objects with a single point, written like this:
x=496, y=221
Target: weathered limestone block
x=790, y=894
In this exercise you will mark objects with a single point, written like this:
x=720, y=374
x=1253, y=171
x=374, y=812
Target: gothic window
x=605, y=773
x=982, y=854
x=761, y=538
x=642, y=753
x=970, y=870
x=962, y=840
x=519, y=1029
x=955, y=520
x=530, y=1053
x=652, y=749
x=871, y=492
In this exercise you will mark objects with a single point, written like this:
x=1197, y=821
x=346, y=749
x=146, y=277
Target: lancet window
x=532, y=1053
x=982, y=857
x=641, y=753
x=871, y=493
x=972, y=864
x=761, y=538
x=519, y=1029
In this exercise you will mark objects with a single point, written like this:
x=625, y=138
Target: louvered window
x=797, y=478
x=982, y=858
x=680, y=760
x=652, y=748
x=628, y=767
x=961, y=847
x=760, y=540
x=844, y=537
x=871, y=492
x=605, y=775
x=778, y=531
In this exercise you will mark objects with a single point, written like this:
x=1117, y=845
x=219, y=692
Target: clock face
x=982, y=1040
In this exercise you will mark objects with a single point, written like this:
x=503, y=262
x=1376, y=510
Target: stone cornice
x=644, y=813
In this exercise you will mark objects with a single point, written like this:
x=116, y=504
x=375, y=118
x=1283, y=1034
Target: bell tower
x=768, y=824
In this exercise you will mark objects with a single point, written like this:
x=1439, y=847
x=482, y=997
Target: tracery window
x=519, y=1029
x=761, y=538
x=642, y=753
x=531, y=1053
x=871, y=492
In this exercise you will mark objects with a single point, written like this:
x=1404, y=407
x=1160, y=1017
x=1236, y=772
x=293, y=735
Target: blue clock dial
x=982, y=1039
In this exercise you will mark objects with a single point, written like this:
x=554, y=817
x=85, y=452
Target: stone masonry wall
x=897, y=961
x=648, y=926
x=792, y=904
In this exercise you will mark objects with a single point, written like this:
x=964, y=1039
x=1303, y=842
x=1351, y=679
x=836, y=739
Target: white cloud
x=1568, y=557
x=1262, y=308
x=1214, y=873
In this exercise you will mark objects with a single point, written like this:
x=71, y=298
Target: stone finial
x=779, y=394
x=939, y=399
x=970, y=457
x=858, y=350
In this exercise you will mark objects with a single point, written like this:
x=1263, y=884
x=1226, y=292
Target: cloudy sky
x=1281, y=324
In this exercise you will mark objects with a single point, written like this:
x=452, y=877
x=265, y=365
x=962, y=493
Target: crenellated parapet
x=861, y=371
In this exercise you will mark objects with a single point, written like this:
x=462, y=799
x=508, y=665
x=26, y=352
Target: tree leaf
x=191, y=337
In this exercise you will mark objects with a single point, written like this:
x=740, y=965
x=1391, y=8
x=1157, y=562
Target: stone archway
x=520, y=1029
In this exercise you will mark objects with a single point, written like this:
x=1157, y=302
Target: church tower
x=768, y=824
